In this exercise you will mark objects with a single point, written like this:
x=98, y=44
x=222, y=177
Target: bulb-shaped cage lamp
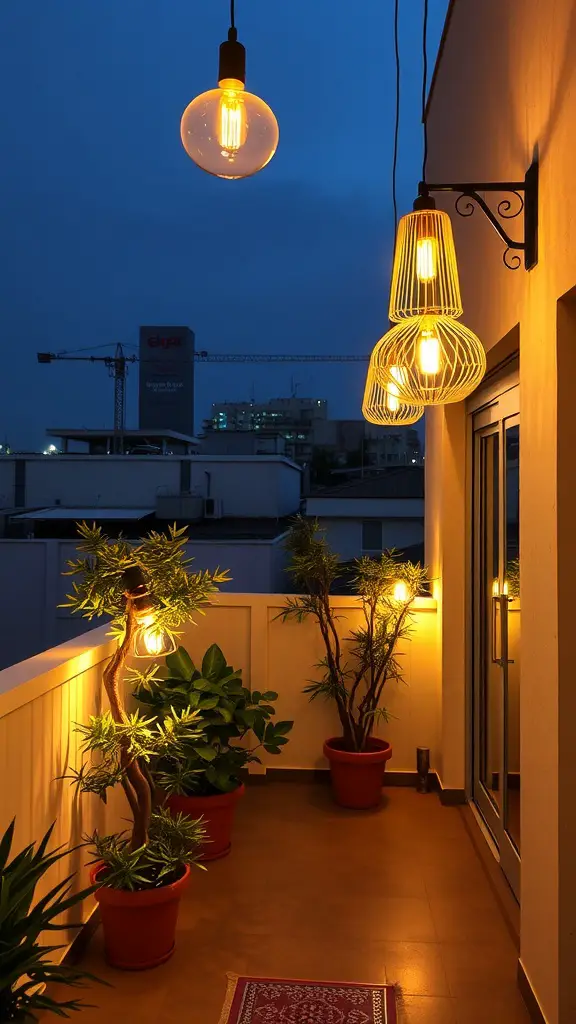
x=425, y=272
x=381, y=404
x=150, y=639
x=442, y=360
x=228, y=131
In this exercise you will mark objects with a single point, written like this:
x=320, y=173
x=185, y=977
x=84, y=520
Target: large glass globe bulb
x=229, y=132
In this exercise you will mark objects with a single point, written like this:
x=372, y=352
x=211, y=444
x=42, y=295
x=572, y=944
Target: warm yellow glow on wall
x=442, y=360
x=425, y=274
x=382, y=405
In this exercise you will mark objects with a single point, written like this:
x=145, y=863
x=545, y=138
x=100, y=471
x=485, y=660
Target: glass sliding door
x=496, y=625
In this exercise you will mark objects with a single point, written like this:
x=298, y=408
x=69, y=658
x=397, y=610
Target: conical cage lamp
x=425, y=272
x=442, y=360
x=381, y=404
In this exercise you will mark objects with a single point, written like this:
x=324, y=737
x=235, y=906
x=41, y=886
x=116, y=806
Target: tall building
x=166, y=393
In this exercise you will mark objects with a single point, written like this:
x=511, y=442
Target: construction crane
x=233, y=357
x=117, y=369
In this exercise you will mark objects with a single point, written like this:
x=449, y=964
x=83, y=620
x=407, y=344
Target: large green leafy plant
x=356, y=671
x=119, y=747
x=25, y=969
x=228, y=713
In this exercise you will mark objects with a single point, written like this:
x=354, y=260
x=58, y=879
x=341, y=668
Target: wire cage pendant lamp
x=425, y=272
x=382, y=405
x=442, y=360
x=227, y=131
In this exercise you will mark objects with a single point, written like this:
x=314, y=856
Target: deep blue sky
x=107, y=224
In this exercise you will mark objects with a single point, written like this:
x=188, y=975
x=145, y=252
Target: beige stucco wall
x=505, y=90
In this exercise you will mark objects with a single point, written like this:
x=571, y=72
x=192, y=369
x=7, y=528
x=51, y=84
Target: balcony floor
x=311, y=891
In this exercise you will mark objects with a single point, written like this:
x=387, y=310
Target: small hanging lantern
x=442, y=360
x=151, y=641
x=382, y=405
x=425, y=272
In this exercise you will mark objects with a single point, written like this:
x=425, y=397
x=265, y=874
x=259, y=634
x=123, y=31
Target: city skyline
x=108, y=225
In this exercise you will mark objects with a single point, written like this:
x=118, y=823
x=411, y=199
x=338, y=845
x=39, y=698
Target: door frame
x=489, y=406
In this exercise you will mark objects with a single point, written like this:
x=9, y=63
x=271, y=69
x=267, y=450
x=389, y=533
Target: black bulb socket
x=232, y=63
x=424, y=200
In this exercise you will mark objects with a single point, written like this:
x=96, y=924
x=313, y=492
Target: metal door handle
x=503, y=600
x=495, y=602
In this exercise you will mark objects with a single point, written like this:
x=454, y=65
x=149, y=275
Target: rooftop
x=405, y=482
x=89, y=514
x=90, y=434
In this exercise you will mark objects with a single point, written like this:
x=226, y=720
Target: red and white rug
x=284, y=1001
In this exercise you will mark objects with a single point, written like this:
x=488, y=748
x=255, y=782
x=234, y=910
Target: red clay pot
x=139, y=927
x=218, y=814
x=357, y=779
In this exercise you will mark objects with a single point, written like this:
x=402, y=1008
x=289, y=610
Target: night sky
x=107, y=224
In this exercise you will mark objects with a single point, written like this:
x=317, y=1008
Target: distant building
x=237, y=510
x=300, y=429
x=368, y=516
x=293, y=420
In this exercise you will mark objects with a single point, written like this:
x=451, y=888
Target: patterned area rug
x=282, y=1001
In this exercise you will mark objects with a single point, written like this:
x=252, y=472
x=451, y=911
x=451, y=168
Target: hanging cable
x=424, y=88
x=397, y=118
x=232, y=25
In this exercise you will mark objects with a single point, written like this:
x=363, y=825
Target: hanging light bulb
x=429, y=358
x=442, y=360
x=383, y=406
x=425, y=273
x=152, y=641
x=227, y=131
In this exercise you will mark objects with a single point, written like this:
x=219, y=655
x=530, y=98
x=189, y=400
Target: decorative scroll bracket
x=524, y=199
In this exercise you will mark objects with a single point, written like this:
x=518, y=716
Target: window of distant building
x=372, y=535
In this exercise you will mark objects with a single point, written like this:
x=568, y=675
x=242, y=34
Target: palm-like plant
x=25, y=969
x=353, y=678
x=120, y=746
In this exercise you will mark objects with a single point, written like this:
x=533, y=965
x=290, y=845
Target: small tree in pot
x=205, y=779
x=148, y=592
x=354, y=674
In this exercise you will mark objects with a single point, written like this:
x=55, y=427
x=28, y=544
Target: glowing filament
x=426, y=259
x=401, y=592
x=495, y=588
x=392, y=391
x=154, y=640
x=429, y=352
x=232, y=127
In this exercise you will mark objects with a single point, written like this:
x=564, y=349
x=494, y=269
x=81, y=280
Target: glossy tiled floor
x=311, y=891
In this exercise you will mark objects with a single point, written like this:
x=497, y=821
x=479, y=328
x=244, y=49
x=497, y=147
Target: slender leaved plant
x=354, y=672
x=120, y=745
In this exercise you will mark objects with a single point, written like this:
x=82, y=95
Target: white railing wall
x=41, y=700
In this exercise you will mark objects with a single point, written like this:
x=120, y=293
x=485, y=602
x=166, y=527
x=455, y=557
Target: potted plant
x=25, y=970
x=356, y=671
x=148, y=592
x=205, y=779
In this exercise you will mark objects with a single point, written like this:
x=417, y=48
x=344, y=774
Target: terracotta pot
x=218, y=814
x=357, y=779
x=139, y=927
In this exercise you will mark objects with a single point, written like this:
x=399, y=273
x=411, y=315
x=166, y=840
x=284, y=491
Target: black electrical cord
x=232, y=25
x=396, y=119
x=424, y=87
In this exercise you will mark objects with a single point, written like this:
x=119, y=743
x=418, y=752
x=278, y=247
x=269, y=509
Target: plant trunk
x=135, y=784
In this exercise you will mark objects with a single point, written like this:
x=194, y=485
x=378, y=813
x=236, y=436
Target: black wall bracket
x=523, y=199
